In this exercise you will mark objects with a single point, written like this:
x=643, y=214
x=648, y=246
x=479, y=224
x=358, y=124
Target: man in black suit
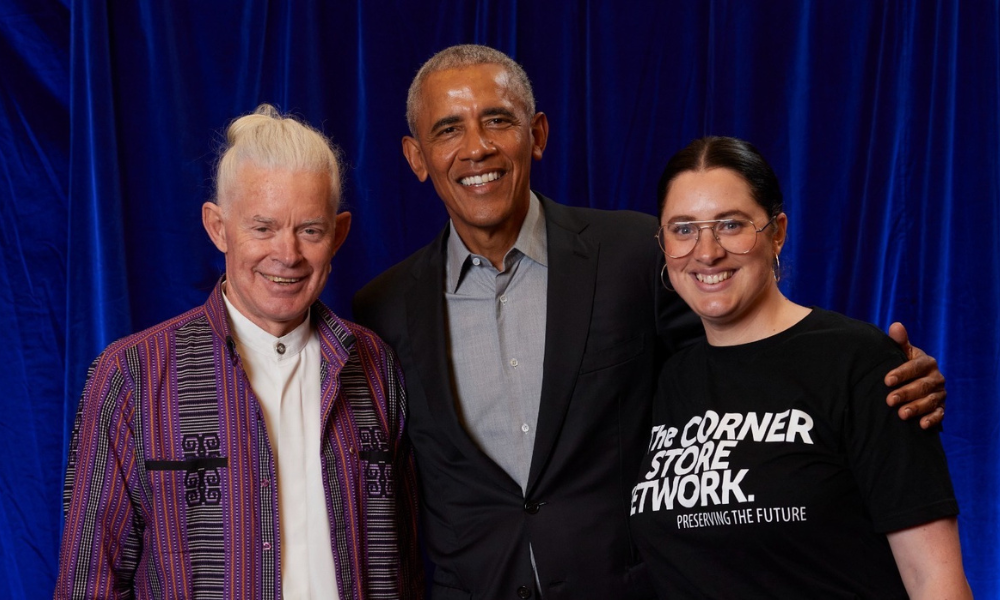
x=530, y=336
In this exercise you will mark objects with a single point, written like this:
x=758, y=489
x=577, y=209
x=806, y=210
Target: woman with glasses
x=774, y=467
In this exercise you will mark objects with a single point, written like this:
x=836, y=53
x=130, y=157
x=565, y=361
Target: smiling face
x=475, y=141
x=724, y=289
x=279, y=232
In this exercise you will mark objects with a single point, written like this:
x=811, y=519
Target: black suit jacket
x=610, y=324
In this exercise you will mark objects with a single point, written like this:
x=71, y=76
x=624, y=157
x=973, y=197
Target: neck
x=493, y=242
x=771, y=316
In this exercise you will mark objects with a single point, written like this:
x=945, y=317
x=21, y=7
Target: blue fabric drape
x=34, y=167
x=881, y=119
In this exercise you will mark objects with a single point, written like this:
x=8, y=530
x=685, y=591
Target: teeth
x=282, y=279
x=713, y=279
x=480, y=179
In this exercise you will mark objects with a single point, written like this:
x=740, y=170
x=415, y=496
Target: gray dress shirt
x=496, y=335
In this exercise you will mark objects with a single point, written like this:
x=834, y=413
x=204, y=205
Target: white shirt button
x=476, y=261
x=513, y=362
x=503, y=299
x=525, y=428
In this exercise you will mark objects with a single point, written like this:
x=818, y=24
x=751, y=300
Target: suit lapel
x=425, y=317
x=572, y=275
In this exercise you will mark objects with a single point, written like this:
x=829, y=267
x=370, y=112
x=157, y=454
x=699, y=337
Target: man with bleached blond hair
x=253, y=446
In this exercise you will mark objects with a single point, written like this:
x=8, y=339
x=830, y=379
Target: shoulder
x=391, y=284
x=368, y=339
x=147, y=355
x=852, y=333
x=840, y=342
x=598, y=221
x=623, y=241
x=375, y=369
x=156, y=336
x=355, y=339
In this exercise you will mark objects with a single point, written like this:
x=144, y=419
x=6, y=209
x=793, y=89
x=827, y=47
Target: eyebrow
x=489, y=112
x=730, y=214
x=307, y=223
x=445, y=122
x=499, y=111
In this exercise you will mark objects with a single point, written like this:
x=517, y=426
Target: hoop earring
x=664, y=281
x=776, y=269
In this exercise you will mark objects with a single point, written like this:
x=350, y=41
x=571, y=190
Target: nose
x=476, y=144
x=707, y=248
x=286, y=248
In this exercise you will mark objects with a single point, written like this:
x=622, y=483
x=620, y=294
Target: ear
x=211, y=218
x=342, y=225
x=780, y=233
x=415, y=156
x=539, y=135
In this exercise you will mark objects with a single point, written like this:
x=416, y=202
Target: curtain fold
x=881, y=120
x=34, y=160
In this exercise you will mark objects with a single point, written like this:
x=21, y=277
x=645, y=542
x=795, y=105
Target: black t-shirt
x=775, y=468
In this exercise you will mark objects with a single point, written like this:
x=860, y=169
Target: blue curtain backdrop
x=881, y=118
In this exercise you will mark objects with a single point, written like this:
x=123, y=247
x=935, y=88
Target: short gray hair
x=468, y=55
x=268, y=139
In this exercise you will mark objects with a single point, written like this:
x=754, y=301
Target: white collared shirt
x=285, y=376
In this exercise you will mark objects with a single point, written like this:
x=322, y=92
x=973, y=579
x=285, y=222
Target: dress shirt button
x=503, y=299
x=532, y=507
x=524, y=592
x=525, y=428
x=513, y=362
x=267, y=546
x=279, y=348
x=265, y=483
x=476, y=261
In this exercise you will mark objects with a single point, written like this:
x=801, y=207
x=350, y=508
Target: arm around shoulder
x=918, y=383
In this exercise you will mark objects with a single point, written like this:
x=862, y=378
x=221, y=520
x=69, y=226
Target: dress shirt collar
x=532, y=241
x=251, y=337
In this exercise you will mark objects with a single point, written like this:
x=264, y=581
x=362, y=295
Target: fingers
x=920, y=365
x=898, y=334
x=924, y=394
x=931, y=386
x=934, y=419
x=930, y=407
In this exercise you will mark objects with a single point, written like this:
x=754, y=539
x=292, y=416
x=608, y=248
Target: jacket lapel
x=425, y=317
x=572, y=275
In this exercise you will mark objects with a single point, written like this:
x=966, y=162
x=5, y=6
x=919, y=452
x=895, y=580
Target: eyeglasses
x=736, y=236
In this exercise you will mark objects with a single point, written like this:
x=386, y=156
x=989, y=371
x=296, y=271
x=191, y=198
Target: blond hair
x=268, y=139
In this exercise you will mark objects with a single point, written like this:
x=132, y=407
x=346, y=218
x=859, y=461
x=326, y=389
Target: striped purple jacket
x=169, y=489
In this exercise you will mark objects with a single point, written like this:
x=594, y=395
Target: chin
x=714, y=312
x=284, y=313
x=488, y=219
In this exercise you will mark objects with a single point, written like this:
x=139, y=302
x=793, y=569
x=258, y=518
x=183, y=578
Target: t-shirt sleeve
x=900, y=468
